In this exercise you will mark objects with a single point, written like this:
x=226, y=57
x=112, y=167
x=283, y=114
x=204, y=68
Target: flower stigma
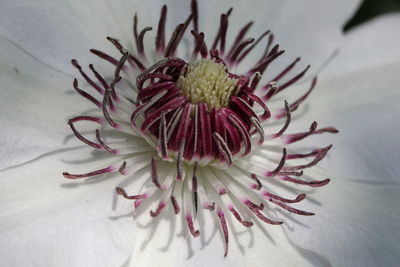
x=206, y=81
x=203, y=135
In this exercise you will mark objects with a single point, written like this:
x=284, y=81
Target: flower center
x=208, y=82
x=198, y=120
x=197, y=113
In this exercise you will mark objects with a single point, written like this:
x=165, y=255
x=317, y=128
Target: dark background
x=372, y=8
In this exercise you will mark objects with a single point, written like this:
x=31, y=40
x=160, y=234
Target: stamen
x=89, y=174
x=163, y=138
x=194, y=178
x=256, y=210
x=248, y=50
x=286, y=125
x=200, y=45
x=291, y=209
x=241, y=34
x=103, y=144
x=280, y=165
x=85, y=95
x=104, y=56
x=299, y=198
x=157, y=212
x=271, y=38
x=309, y=183
x=293, y=107
x=256, y=80
x=160, y=38
x=237, y=216
x=240, y=48
x=189, y=220
x=221, y=35
x=122, y=192
x=90, y=81
x=258, y=185
x=318, y=157
x=81, y=138
x=154, y=174
x=286, y=70
x=175, y=205
x=223, y=148
x=224, y=227
x=176, y=38
x=262, y=66
x=179, y=159
x=99, y=78
x=140, y=42
x=312, y=153
x=194, y=9
x=294, y=79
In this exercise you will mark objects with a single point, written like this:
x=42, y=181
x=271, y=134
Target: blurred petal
x=356, y=224
x=35, y=102
x=362, y=103
x=46, y=220
x=370, y=45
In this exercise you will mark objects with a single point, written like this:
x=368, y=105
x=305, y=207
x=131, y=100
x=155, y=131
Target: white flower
x=46, y=221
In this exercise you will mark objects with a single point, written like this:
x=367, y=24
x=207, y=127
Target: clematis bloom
x=65, y=209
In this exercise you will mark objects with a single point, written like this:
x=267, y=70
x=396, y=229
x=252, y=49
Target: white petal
x=356, y=224
x=36, y=102
x=362, y=103
x=372, y=44
x=58, y=31
x=46, y=220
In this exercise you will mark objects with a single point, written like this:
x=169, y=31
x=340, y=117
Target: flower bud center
x=206, y=81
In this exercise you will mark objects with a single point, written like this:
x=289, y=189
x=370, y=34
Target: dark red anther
x=257, y=185
x=239, y=37
x=103, y=144
x=256, y=210
x=293, y=80
x=195, y=14
x=299, y=198
x=160, y=38
x=189, y=220
x=104, y=56
x=240, y=48
x=308, y=183
x=280, y=165
x=262, y=66
x=122, y=192
x=154, y=174
x=248, y=50
x=175, y=205
x=287, y=122
x=157, y=212
x=200, y=46
x=85, y=94
x=89, y=174
x=239, y=218
x=291, y=209
x=224, y=227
